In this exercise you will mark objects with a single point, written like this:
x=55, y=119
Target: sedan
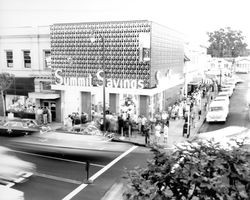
x=19, y=127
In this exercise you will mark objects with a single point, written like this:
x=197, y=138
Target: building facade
x=59, y=67
x=142, y=61
x=25, y=53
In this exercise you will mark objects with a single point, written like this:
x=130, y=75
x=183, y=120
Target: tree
x=226, y=43
x=198, y=171
x=6, y=80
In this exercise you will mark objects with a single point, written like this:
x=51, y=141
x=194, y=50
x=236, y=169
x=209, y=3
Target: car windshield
x=216, y=108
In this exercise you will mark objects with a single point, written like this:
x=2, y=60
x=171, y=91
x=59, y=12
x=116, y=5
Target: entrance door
x=52, y=106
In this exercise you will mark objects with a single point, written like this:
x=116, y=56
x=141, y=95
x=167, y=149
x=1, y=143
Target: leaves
x=195, y=170
x=226, y=43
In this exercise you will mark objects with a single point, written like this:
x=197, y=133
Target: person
x=157, y=132
x=165, y=133
x=45, y=115
x=147, y=134
x=143, y=122
x=120, y=124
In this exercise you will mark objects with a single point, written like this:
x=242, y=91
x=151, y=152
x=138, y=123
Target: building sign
x=144, y=45
x=87, y=81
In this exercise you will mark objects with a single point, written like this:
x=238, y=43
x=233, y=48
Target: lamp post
x=220, y=74
x=93, y=39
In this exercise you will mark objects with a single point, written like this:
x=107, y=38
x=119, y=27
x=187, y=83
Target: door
x=52, y=106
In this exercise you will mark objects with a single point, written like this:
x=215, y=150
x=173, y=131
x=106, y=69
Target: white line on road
x=97, y=174
x=55, y=158
x=58, y=178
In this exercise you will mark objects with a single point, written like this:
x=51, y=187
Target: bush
x=194, y=171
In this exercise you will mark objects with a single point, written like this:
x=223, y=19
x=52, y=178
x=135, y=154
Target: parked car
x=19, y=127
x=228, y=88
x=228, y=91
x=223, y=94
x=223, y=99
x=217, y=112
x=12, y=168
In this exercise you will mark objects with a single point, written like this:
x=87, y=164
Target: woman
x=165, y=133
x=157, y=132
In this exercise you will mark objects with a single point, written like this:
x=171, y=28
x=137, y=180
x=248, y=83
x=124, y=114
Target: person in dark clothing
x=147, y=133
x=83, y=118
x=120, y=124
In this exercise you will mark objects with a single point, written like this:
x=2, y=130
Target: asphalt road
x=64, y=176
x=238, y=110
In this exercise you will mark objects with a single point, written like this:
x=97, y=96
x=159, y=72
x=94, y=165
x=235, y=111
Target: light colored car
x=13, y=168
x=10, y=193
x=228, y=88
x=228, y=91
x=217, y=112
x=223, y=99
x=223, y=94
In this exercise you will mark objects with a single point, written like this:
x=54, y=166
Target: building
x=25, y=53
x=143, y=65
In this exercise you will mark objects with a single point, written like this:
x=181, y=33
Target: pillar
x=144, y=105
x=86, y=103
x=114, y=102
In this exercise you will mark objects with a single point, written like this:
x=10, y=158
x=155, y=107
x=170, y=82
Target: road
x=64, y=176
x=238, y=110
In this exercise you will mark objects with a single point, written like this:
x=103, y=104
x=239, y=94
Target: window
x=27, y=59
x=9, y=58
x=47, y=59
x=45, y=86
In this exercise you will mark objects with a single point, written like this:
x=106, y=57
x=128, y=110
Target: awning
x=43, y=95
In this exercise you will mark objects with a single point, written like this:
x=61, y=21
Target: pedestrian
x=147, y=134
x=157, y=132
x=143, y=122
x=165, y=133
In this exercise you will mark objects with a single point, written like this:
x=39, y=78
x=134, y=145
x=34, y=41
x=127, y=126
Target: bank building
x=58, y=66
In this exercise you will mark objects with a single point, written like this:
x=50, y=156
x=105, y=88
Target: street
x=57, y=175
x=238, y=110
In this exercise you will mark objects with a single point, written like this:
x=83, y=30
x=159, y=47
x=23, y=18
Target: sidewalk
x=174, y=136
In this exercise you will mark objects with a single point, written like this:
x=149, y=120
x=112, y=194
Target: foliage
x=6, y=80
x=226, y=43
x=197, y=171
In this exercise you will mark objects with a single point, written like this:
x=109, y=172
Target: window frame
x=24, y=60
x=7, y=63
x=44, y=59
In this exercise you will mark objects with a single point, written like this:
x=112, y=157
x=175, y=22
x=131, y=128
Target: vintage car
x=10, y=193
x=12, y=168
x=19, y=127
x=217, y=112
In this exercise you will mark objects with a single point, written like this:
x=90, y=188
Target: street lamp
x=93, y=39
x=220, y=74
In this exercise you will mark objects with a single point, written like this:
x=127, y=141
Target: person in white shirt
x=157, y=132
x=165, y=133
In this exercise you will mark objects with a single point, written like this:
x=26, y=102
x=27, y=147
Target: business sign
x=87, y=81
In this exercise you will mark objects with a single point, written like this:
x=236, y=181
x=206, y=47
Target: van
x=217, y=112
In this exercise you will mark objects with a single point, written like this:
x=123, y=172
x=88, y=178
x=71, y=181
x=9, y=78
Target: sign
x=87, y=81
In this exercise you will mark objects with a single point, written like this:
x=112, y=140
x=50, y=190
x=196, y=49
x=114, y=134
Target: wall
x=167, y=52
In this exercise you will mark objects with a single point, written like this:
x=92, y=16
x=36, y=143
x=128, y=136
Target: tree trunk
x=4, y=109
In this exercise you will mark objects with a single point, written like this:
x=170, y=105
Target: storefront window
x=20, y=104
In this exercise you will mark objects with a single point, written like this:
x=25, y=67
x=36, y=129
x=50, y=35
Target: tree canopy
x=6, y=80
x=226, y=42
x=198, y=171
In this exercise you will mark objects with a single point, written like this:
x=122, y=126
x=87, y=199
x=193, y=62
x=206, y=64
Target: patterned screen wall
x=73, y=52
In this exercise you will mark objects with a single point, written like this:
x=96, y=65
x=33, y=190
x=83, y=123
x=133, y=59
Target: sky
x=194, y=18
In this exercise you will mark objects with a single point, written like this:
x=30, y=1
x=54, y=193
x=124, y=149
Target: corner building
x=143, y=63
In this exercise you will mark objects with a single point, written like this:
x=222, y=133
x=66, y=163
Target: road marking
x=55, y=158
x=97, y=174
x=58, y=178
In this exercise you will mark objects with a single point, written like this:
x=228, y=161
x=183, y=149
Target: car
x=12, y=168
x=223, y=94
x=19, y=127
x=10, y=193
x=217, y=112
x=228, y=88
x=228, y=91
x=223, y=99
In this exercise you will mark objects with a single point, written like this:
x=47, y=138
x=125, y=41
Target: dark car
x=19, y=127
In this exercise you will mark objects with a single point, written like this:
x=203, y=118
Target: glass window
x=27, y=59
x=9, y=59
x=47, y=59
x=45, y=86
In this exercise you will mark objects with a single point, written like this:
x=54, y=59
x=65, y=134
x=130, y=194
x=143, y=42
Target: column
x=86, y=103
x=114, y=102
x=144, y=105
